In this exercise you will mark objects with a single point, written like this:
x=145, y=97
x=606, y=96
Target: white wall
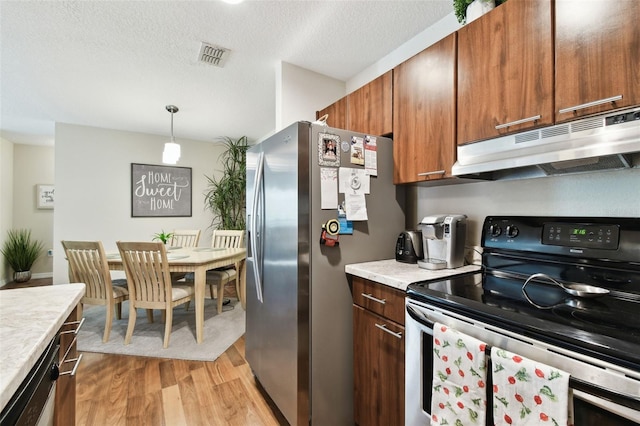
x=610, y=193
x=417, y=44
x=33, y=165
x=300, y=93
x=6, y=203
x=93, y=187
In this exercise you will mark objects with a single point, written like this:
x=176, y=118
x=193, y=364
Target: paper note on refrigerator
x=328, y=188
x=356, y=206
x=353, y=181
x=370, y=156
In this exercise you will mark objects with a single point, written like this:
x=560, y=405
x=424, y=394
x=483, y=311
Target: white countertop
x=29, y=319
x=400, y=275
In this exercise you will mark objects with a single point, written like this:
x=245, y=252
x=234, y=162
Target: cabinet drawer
x=379, y=298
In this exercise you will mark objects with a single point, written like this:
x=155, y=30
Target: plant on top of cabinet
x=225, y=196
x=460, y=7
x=21, y=252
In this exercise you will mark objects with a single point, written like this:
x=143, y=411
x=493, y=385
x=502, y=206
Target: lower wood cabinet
x=378, y=348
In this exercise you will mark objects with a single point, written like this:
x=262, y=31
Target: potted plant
x=165, y=237
x=21, y=253
x=483, y=6
x=225, y=196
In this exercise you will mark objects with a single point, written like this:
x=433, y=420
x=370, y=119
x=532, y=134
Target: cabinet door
x=597, y=56
x=505, y=71
x=424, y=114
x=369, y=109
x=337, y=114
x=378, y=367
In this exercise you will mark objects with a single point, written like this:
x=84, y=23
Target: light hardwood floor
x=129, y=390
x=116, y=390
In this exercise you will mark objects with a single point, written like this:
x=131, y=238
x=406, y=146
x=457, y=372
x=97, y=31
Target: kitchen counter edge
x=29, y=319
x=399, y=275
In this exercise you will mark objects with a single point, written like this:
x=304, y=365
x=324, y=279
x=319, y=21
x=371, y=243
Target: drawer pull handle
x=75, y=330
x=437, y=172
x=375, y=299
x=590, y=104
x=513, y=123
x=75, y=367
x=383, y=327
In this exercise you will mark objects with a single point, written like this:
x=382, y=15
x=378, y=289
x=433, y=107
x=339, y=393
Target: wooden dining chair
x=88, y=265
x=219, y=278
x=185, y=238
x=150, y=286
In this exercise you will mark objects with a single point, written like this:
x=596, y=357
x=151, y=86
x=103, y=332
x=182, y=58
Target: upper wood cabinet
x=337, y=114
x=597, y=56
x=424, y=114
x=505, y=71
x=366, y=110
x=369, y=109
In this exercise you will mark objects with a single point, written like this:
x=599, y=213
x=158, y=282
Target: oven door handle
x=617, y=397
x=421, y=318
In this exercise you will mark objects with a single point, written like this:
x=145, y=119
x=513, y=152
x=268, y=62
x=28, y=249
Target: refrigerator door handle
x=255, y=223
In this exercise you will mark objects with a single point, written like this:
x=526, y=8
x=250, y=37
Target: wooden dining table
x=199, y=260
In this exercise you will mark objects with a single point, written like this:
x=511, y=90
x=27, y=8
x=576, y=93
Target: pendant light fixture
x=171, y=153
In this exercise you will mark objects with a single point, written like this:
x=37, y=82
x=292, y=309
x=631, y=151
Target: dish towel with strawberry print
x=527, y=392
x=459, y=394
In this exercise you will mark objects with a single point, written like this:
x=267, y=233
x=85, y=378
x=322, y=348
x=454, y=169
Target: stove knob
x=512, y=231
x=495, y=230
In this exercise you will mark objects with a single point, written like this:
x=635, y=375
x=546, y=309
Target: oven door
x=594, y=405
x=32, y=404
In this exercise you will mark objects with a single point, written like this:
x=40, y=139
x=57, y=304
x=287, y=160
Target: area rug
x=220, y=332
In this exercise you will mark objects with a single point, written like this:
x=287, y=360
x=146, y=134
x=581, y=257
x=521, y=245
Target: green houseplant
x=21, y=252
x=165, y=237
x=225, y=196
x=460, y=8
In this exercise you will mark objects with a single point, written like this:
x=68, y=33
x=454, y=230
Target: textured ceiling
x=116, y=64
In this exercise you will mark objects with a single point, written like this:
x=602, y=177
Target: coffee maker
x=443, y=238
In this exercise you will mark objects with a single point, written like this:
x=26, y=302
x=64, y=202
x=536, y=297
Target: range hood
x=603, y=142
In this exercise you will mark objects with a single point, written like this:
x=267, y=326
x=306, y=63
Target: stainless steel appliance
x=444, y=238
x=33, y=402
x=520, y=302
x=602, y=142
x=409, y=247
x=299, y=305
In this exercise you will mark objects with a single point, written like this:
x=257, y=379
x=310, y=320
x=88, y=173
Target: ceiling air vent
x=213, y=55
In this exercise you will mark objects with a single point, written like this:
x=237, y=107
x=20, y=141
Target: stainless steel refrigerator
x=299, y=309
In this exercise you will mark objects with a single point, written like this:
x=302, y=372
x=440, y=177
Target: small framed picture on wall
x=45, y=196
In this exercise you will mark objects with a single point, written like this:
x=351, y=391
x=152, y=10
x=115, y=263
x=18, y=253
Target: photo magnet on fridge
x=328, y=152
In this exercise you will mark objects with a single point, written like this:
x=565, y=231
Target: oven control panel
x=584, y=237
x=581, y=235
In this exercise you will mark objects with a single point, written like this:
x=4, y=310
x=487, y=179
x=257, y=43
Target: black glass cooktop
x=606, y=327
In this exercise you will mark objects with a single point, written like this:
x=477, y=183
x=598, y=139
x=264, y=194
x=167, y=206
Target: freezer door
x=277, y=342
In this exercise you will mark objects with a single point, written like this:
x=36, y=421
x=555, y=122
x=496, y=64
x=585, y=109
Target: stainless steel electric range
x=562, y=290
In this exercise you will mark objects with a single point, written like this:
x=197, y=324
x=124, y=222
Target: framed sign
x=160, y=191
x=45, y=196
